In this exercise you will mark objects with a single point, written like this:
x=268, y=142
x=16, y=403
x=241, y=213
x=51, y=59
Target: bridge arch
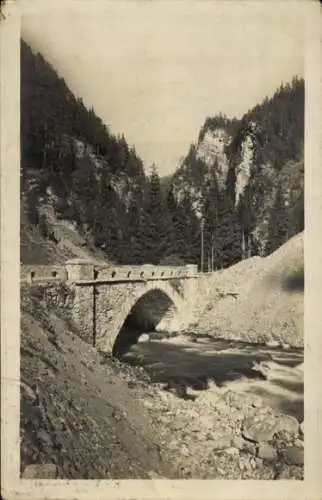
x=154, y=306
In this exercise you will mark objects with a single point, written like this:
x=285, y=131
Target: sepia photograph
x=162, y=184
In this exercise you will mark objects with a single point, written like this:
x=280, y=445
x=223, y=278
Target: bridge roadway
x=111, y=306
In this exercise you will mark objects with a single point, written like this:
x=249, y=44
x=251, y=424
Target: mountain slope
x=74, y=172
x=255, y=166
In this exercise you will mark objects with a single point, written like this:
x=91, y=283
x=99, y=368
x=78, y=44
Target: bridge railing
x=145, y=272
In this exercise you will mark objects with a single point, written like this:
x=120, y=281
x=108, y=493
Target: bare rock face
x=211, y=150
x=243, y=170
x=40, y=471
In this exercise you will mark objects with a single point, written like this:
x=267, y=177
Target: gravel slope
x=270, y=301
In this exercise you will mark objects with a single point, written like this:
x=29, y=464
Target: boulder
x=288, y=424
x=263, y=426
x=294, y=455
x=259, y=428
x=267, y=452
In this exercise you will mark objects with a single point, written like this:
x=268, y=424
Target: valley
x=220, y=399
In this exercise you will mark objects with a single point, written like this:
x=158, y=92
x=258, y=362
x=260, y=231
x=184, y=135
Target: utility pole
x=212, y=253
x=202, y=226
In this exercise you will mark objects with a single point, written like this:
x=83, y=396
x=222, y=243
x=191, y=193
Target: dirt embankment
x=94, y=417
x=77, y=409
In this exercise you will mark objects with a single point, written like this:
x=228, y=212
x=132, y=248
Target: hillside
x=270, y=301
x=81, y=186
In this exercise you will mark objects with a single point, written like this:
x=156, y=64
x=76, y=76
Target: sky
x=155, y=69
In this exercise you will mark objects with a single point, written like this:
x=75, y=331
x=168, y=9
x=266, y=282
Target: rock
x=178, y=425
x=258, y=428
x=221, y=442
x=238, y=442
x=144, y=338
x=250, y=447
x=232, y=399
x=288, y=424
x=264, y=425
x=148, y=405
x=302, y=429
x=174, y=444
x=266, y=452
x=272, y=343
x=294, y=455
x=40, y=471
x=184, y=451
x=154, y=475
x=231, y=451
x=299, y=443
x=285, y=345
x=256, y=402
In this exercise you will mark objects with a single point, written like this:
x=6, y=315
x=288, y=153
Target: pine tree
x=154, y=233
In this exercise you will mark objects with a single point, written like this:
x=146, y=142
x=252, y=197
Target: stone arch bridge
x=113, y=306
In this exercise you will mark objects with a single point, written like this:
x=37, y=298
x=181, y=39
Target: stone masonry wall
x=114, y=302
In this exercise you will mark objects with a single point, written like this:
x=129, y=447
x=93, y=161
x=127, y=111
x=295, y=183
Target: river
x=189, y=362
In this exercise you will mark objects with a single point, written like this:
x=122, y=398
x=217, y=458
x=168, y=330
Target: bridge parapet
x=77, y=270
x=80, y=270
x=35, y=273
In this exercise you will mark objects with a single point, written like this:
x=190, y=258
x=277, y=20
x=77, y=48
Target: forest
x=125, y=209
